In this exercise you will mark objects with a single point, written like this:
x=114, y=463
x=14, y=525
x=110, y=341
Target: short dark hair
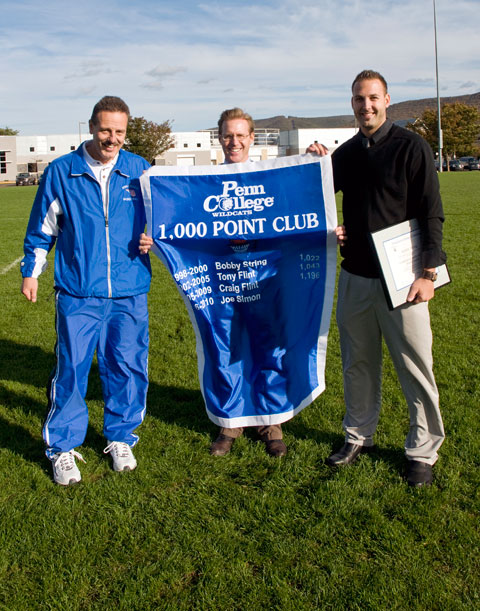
x=370, y=75
x=109, y=103
x=235, y=113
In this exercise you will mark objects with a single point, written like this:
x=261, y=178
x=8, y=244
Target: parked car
x=455, y=165
x=25, y=178
x=474, y=164
x=466, y=161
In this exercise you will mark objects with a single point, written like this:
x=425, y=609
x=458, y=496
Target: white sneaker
x=122, y=456
x=65, y=471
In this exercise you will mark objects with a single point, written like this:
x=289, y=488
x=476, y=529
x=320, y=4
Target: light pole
x=440, y=137
x=80, y=123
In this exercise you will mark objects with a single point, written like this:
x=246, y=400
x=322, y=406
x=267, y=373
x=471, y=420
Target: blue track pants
x=118, y=330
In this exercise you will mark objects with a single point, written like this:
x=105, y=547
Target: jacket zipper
x=107, y=235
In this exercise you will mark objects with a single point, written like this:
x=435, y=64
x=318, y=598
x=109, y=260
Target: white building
x=203, y=148
x=296, y=141
x=34, y=153
x=8, y=158
x=190, y=148
x=39, y=151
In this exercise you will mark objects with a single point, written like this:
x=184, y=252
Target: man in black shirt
x=387, y=176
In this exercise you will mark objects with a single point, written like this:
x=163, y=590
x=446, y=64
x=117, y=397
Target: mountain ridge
x=401, y=111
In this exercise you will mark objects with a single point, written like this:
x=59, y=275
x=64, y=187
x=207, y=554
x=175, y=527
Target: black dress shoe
x=419, y=474
x=275, y=447
x=222, y=445
x=347, y=454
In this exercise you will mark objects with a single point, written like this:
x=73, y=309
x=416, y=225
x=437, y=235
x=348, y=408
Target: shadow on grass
x=25, y=364
x=20, y=441
x=300, y=430
x=31, y=366
x=182, y=407
x=395, y=457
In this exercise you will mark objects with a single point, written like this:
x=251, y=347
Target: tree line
x=460, y=129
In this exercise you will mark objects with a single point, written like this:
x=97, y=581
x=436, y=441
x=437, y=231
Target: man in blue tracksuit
x=89, y=204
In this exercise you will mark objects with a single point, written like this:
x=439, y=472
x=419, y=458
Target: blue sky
x=186, y=61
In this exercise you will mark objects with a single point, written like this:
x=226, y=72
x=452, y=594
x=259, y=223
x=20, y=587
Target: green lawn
x=190, y=531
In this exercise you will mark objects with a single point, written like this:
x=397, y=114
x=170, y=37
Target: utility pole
x=440, y=135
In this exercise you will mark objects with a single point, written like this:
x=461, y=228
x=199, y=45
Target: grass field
x=190, y=531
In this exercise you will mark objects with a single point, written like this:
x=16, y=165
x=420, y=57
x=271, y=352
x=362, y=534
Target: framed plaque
x=398, y=251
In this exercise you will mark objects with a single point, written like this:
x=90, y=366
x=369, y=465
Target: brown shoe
x=275, y=447
x=222, y=445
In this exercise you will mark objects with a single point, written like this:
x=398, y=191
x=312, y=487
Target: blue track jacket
x=96, y=249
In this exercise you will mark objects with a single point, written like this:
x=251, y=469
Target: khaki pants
x=363, y=318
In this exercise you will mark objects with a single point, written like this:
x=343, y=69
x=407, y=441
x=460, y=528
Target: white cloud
x=420, y=81
x=157, y=85
x=187, y=62
x=84, y=91
x=89, y=68
x=163, y=71
x=468, y=85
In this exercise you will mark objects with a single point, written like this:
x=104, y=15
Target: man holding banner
x=255, y=265
x=236, y=132
x=387, y=175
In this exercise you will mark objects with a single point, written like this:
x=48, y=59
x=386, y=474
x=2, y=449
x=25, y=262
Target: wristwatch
x=429, y=275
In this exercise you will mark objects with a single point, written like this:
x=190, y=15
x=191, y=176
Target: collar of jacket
x=79, y=166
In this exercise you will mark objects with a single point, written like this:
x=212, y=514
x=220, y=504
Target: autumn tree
x=147, y=138
x=8, y=131
x=460, y=128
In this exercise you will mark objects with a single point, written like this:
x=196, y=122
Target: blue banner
x=252, y=249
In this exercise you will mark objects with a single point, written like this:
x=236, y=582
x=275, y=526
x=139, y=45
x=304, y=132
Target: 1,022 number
x=190, y=230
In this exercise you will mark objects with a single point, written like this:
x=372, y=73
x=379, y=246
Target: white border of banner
x=325, y=165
